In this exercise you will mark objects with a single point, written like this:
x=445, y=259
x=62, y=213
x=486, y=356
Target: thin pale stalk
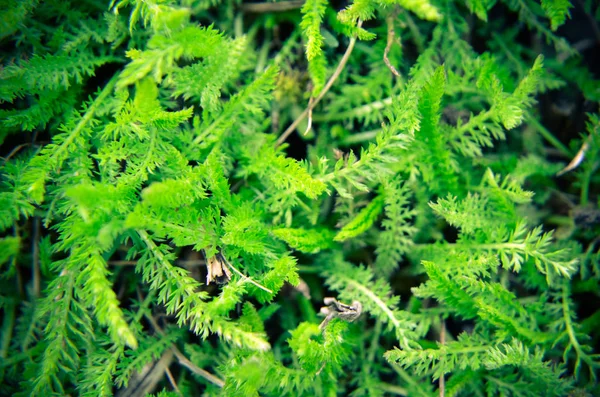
x=325, y=89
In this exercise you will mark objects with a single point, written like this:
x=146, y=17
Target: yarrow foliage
x=201, y=197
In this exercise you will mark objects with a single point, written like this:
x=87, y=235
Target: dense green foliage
x=159, y=215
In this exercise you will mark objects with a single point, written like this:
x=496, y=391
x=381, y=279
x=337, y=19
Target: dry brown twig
x=390, y=41
x=325, y=89
x=172, y=381
x=15, y=150
x=280, y=6
x=145, y=380
x=183, y=361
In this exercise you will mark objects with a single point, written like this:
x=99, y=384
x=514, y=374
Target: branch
x=388, y=46
x=330, y=82
x=272, y=7
x=184, y=361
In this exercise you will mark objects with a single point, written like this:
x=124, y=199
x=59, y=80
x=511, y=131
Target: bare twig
x=197, y=370
x=321, y=369
x=145, y=380
x=172, y=381
x=16, y=150
x=388, y=46
x=183, y=361
x=280, y=6
x=330, y=82
x=122, y=263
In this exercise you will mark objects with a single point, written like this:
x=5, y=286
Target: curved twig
x=388, y=46
x=272, y=7
x=330, y=82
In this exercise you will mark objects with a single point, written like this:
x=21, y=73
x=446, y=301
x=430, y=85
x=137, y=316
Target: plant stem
x=548, y=135
x=581, y=355
x=360, y=137
x=373, y=297
x=184, y=361
x=280, y=6
x=329, y=84
x=36, y=257
x=87, y=117
x=7, y=329
x=393, y=389
x=410, y=380
x=356, y=112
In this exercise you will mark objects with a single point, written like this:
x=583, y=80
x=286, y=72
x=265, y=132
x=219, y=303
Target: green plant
x=154, y=215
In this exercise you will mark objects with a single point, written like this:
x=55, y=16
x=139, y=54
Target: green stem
x=480, y=118
x=414, y=29
x=410, y=380
x=381, y=304
x=360, y=137
x=505, y=385
x=374, y=342
x=581, y=355
x=585, y=185
x=392, y=389
x=144, y=305
x=508, y=53
x=548, y=135
x=356, y=112
x=7, y=329
x=309, y=269
x=264, y=52
x=87, y=117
